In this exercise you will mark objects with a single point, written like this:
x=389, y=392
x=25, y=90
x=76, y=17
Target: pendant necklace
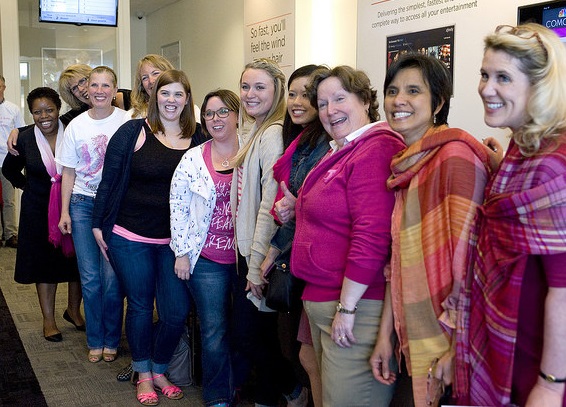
x=226, y=162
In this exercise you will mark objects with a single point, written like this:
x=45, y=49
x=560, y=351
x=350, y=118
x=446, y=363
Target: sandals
x=94, y=357
x=147, y=399
x=109, y=355
x=172, y=392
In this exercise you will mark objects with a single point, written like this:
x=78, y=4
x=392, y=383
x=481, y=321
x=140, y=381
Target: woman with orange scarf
x=438, y=182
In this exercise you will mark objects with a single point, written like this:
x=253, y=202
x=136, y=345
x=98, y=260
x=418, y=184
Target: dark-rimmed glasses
x=222, y=113
x=80, y=83
x=522, y=33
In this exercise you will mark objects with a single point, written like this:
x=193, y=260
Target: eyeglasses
x=222, y=113
x=522, y=33
x=80, y=83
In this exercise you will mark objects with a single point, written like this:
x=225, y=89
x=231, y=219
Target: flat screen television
x=551, y=14
x=79, y=12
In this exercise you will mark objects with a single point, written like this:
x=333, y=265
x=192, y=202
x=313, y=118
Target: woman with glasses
x=517, y=322
x=131, y=224
x=202, y=237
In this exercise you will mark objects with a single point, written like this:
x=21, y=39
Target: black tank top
x=145, y=207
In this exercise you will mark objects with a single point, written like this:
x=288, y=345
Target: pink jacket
x=343, y=215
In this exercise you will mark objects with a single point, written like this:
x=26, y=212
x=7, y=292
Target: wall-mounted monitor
x=551, y=14
x=79, y=12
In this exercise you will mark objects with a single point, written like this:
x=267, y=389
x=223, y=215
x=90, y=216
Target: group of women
x=423, y=256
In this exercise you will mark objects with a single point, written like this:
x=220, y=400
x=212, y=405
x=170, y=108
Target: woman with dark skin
x=37, y=259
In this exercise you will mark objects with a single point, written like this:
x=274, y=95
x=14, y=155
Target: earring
x=434, y=119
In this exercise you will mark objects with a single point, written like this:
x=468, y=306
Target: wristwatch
x=342, y=310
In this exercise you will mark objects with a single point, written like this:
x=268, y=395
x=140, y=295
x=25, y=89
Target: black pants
x=255, y=346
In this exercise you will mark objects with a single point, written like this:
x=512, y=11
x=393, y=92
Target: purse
x=281, y=290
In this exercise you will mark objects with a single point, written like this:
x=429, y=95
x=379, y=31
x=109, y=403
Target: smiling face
x=221, y=128
x=45, y=116
x=298, y=103
x=101, y=90
x=148, y=76
x=171, y=100
x=257, y=92
x=79, y=88
x=505, y=91
x=408, y=105
x=341, y=112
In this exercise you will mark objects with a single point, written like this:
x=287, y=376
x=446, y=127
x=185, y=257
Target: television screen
x=79, y=12
x=551, y=14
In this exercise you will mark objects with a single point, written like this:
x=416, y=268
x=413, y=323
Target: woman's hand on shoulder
x=13, y=141
x=494, y=149
x=183, y=267
x=100, y=242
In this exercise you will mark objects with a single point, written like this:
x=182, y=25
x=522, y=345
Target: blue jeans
x=210, y=286
x=146, y=272
x=102, y=294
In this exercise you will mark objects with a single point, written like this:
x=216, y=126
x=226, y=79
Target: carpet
x=18, y=384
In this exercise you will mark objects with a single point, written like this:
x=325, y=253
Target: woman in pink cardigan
x=342, y=239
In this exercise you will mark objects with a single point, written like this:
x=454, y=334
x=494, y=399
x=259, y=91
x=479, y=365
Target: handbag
x=281, y=290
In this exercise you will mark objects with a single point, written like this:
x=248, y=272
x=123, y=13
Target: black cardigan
x=116, y=173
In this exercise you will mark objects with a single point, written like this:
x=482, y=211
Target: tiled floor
x=66, y=377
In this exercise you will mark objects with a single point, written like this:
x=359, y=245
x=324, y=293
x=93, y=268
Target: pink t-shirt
x=220, y=243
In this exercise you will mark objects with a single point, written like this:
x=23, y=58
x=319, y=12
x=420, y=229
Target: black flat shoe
x=68, y=318
x=54, y=338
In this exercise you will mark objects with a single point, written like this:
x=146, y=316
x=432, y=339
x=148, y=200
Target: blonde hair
x=275, y=113
x=72, y=72
x=139, y=97
x=542, y=57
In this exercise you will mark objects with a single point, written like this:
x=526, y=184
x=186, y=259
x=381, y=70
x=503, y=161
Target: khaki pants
x=9, y=225
x=347, y=380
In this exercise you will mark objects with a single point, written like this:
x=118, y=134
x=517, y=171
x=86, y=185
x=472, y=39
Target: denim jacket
x=304, y=159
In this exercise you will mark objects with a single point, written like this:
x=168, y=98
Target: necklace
x=226, y=162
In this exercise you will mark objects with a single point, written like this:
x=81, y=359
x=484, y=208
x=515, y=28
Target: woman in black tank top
x=131, y=226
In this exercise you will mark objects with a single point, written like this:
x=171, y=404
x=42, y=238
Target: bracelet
x=550, y=378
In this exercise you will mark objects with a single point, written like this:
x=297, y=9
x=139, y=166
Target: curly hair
x=43, y=92
x=352, y=80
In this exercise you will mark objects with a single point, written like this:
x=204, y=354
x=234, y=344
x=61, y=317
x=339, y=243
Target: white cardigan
x=192, y=200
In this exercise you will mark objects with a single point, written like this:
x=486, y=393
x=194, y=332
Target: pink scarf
x=54, y=208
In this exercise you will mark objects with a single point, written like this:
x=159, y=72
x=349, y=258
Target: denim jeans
x=102, y=294
x=210, y=286
x=146, y=272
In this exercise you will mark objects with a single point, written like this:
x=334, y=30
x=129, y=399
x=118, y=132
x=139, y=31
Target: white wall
x=211, y=37
x=471, y=26
x=325, y=33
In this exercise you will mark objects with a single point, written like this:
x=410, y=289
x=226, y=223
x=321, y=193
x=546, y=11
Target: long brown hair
x=187, y=120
